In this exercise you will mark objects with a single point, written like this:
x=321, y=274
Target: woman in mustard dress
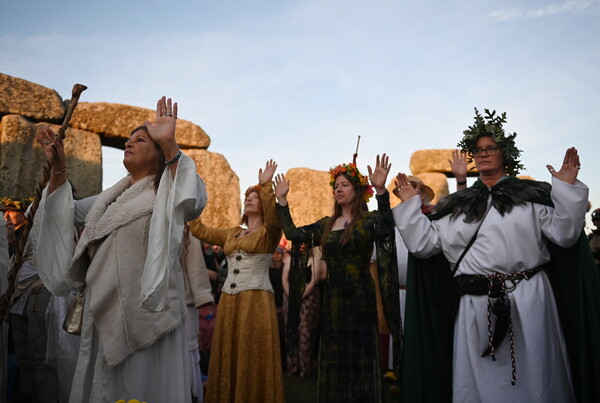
x=245, y=363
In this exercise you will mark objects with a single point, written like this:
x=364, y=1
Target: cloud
x=568, y=7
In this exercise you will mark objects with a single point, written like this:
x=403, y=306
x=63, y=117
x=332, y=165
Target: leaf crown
x=492, y=125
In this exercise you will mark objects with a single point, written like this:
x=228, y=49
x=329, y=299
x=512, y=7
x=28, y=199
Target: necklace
x=346, y=221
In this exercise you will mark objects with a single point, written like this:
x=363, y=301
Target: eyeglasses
x=491, y=151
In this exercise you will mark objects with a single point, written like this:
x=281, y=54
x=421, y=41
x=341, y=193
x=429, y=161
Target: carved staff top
x=75, y=94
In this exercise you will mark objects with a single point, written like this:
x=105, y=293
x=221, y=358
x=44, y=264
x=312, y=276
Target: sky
x=298, y=81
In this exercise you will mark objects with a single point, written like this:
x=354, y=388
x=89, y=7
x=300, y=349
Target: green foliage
x=492, y=125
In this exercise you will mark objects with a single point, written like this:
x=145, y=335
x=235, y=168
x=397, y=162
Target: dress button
x=236, y=271
x=238, y=258
x=232, y=285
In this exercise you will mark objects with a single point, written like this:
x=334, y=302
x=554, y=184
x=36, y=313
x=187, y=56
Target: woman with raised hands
x=245, y=360
x=349, y=368
x=126, y=264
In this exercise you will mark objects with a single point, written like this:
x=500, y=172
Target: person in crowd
x=38, y=379
x=126, y=264
x=302, y=361
x=3, y=325
x=594, y=237
x=275, y=276
x=245, y=363
x=222, y=268
x=349, y=368
x=14, y=214
x=426, y=194
x=211, y=266
x=503, y=304
x=207, y=319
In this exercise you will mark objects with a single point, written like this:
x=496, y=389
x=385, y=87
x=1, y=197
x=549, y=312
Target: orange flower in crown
x=354, y=176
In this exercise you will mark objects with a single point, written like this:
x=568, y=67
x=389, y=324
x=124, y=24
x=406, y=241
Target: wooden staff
x=356, y=153
x=18, y=256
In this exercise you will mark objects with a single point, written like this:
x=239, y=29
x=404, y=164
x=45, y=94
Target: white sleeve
x=177, y=200
x=52, y=234
x=197, y=273
x=563, y=223
x=420, y=235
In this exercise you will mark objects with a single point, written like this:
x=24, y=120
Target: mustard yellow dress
x=245, y=360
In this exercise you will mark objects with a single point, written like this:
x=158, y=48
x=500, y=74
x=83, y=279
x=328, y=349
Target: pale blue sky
x=297, y=81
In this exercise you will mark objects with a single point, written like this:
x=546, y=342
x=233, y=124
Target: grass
x=304, y=390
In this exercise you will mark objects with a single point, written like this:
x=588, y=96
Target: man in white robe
x=498, y=229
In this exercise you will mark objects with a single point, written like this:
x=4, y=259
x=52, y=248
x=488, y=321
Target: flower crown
x=7, y=203
x=355, y=177
x=491, y=125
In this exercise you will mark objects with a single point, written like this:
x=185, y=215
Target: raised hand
x=458, y=165
x=162, y=131
x=379, y=175
x=267, y=175
x=55, y=154
x=404, y=189
x=570, y=167
x=53, y=147
x=282, y=187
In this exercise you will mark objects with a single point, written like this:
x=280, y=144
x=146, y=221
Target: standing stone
x=223, y=209
x=84, y=161
x=310, y=197
x=22, y=159
x=435, y=161
x=22, y=97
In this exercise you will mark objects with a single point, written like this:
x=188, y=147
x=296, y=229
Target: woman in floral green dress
x=349, y=368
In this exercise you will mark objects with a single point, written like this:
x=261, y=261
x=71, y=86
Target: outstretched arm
x=309, y=233
x=55, y=154
x=271, y=219
x=282, y=188
x=563, y=223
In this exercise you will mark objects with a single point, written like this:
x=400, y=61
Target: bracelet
x=461, y=183
x=175, y=159
x=60, y=171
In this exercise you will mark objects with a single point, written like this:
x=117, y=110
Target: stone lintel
x=22, y=97
x=116, y=121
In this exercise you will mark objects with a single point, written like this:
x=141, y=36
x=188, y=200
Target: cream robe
x=507, y=244
x=132, y=344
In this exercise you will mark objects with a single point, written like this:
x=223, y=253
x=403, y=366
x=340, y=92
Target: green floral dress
x=349, y=365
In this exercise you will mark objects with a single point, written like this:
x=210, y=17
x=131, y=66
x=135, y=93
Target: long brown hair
x=160, y=164
x=357, y=209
